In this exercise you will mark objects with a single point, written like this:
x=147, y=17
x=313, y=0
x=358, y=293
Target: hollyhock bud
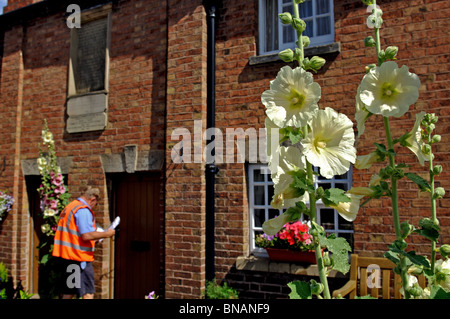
x=286, y=55
x=316, y=287
x=437, y=169
x=445, y=250
x=436, y=139
x=306, y=41
x=406, y=229
x=439, y=192
x=391, y=52
x=326, y=259
x=285, y=17
x=369, y=42
x=298, y=24
x=317, y=62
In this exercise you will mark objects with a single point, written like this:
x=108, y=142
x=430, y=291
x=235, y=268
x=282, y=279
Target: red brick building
x=114, y=130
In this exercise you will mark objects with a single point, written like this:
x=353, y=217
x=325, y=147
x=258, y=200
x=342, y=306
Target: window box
x=276, y=254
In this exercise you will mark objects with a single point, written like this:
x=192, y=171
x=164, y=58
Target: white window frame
x=257, y=251
x=315, y=40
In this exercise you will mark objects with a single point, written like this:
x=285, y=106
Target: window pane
x=288, y=34
x=273, y=213
x=309, y=31
x=323, y=6
x=343, y=176
x=306, y=9
x=259, y=195
x=270, y=191
x=271, y=19
x=343, y=186
x=323, y=26
x=327, y=218
x=258, y=176
x=324, y=185
x=259, y=217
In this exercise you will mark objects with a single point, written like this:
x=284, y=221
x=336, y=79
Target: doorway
x=136, y=198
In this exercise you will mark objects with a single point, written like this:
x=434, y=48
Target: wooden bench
x=379, y=271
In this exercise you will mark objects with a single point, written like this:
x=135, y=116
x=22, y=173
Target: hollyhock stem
x=299, y=34
x=317, y=248
x=433, y=209
x=312, y=195
x=394, y=192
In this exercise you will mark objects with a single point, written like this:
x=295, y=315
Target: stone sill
x=254, y=263
x=334, y=47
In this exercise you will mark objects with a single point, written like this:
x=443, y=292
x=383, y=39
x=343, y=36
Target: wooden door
x=40, y=280
x=33, y=183
x=137, y=200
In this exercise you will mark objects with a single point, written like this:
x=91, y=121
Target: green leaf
x=411, y=255
x=302, y=182
x=334, y=196
x=439, y=293
x=44, y=259
x=418, y=259
x=422, y=183
x=300, y=290
x=428, y=229
x=339, y=248
x=392, y=257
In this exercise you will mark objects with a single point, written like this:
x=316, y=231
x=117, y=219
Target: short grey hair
x=90, y=192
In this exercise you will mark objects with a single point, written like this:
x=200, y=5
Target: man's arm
x=94, y=235
x=84, y=221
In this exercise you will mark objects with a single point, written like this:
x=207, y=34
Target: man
x=74, y=243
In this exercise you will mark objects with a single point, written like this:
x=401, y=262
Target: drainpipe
x=210, y=169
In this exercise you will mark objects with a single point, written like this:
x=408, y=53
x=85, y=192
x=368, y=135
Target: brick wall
x=17, y=4
x=36, y=89
x=185, y=182
x=417, y=28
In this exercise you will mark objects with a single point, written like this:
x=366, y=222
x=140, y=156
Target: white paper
x=112, y=226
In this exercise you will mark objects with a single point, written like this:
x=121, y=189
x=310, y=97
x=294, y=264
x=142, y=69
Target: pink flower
x=54, y=204
x=60, y=189
x=56, y=180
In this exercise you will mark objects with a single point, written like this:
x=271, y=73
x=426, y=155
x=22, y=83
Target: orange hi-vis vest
x=68, y=242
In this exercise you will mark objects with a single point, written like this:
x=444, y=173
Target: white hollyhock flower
x=42, y=164
x=273, y=137
x=45, y=228
x=286, y=196
x=389, y=90
x=361, y=114
x=349, y=210
x=286, y=159
x=366, y=161
x=329, y=144
x=292, y=97
x=49, y=212
x=414, y=140
x=47, y=137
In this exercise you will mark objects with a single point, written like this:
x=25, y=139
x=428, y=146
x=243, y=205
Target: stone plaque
x=87, y=104
x=87, y=123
